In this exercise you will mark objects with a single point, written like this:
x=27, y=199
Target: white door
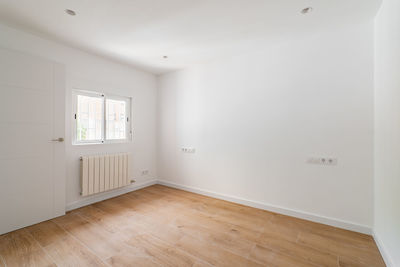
x=32, y=165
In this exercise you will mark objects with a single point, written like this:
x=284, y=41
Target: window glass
x=115, y=119
x=89, y=118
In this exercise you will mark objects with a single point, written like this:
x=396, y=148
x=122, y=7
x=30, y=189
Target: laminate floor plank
x=272, y=258
x=162, y=226
x=19, y=248
x=71, y=252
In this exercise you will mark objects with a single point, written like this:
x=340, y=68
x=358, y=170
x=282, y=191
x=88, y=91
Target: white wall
x=387, y=131
x=255, y=119
x=94, y=73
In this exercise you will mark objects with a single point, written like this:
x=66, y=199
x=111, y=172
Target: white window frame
x=104, y=96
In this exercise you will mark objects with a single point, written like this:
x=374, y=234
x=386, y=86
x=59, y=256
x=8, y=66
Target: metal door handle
x=60, y=139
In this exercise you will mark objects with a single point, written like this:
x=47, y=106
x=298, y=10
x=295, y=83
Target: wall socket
x=323, y=161
x=145, y=172
x=188, y=150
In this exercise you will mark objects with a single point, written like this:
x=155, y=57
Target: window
x=115, y=119
x=100, y=118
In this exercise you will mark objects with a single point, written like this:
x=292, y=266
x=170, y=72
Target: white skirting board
x=109, y=194
x=386, y=257
x=294, y=213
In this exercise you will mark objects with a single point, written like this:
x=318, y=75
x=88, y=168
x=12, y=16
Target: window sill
x=103, y=143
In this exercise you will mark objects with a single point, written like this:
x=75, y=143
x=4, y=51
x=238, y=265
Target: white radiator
x=101, y=173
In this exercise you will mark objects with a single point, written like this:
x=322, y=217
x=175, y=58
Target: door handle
x=60, y=139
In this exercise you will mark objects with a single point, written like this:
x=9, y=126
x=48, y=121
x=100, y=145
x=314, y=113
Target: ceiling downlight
x=70, y=12
x=306, y=10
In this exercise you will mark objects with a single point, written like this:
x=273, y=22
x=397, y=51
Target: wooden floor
x=161, y=226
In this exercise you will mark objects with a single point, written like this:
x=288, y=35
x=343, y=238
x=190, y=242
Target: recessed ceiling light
x=70, y=12
x=165, y=57
x=307, y=10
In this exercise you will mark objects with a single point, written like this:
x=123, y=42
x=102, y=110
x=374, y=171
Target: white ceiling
x=141, y=32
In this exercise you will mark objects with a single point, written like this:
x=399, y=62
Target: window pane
x=89, y=118
x=115, y=119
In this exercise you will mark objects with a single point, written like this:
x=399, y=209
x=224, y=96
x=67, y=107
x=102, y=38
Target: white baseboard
x=385, y=255
x=106, y=195
x=273, y=208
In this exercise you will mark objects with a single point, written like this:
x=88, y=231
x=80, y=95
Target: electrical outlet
x=323, y=161
x=145, y=172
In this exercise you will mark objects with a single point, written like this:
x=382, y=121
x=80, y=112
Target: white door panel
x=21, y=70
x=36, y=137
x=32, y=167
x=28, y=192
x=26, y=105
